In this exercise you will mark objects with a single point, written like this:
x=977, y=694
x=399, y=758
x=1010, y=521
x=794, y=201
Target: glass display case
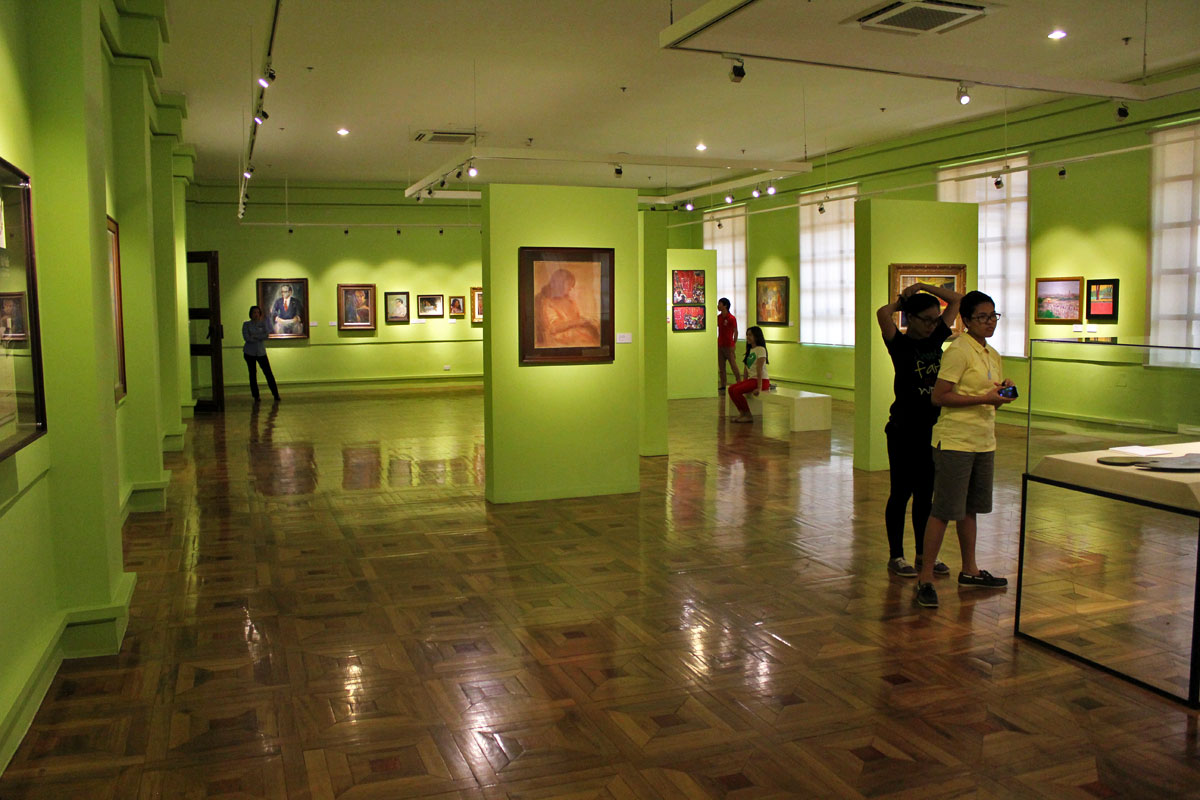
x=22, y=403
x=1110, y=510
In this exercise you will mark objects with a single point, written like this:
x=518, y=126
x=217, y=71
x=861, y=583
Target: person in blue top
x=255, y=332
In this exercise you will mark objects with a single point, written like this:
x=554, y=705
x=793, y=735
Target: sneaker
x=938, y=567
x=898, y=566
x=984, y=579
x=926, y=595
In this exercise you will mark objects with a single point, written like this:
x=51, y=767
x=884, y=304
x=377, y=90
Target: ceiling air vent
x=921, y=16
x=443, y=137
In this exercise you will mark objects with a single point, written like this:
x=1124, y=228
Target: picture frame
x=284, y=302
x=687, y=318
x=1058, y=301
x=565, y=305
x=395, y=307
x=118, y=315
x=771, y=301
x=14, y=317
x=356, y=306
x=476, y=304
x=946, y=276
x=1103, y=296
x=687, y=287
x=457, y=305
x=430, y=305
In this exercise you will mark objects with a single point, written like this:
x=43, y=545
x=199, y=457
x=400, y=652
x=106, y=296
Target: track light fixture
x=617, y=171
x=248, y=172
x=429, y=191
x=1122, y=112
x=770, y=188
x=268, y=76
x=737, y=71
x=688, y=206
x=964, y=94
x=1062, y=172
x=261, y=116
x=755, y=192
x=999, y=182
x=821, y=207
x=720, y=225
x=442, y=184
x=458, y=175
x=471, y=170
x=728, y=198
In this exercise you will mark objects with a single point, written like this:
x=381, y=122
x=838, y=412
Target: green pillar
x=162, y=186
x=182, y=165
x=653, y=334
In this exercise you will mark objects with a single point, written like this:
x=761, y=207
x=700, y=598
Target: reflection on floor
x=330, y=610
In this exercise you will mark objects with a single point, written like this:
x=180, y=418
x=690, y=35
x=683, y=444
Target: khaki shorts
x=962, y=483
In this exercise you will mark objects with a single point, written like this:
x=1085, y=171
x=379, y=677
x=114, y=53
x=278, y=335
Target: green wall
x=419, y=260
x=567, y=430
x=692, y=355
x=887, y=232
x=652, y=354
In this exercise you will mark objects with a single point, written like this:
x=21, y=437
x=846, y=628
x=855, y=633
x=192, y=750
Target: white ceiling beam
x=708, y=14
x=445, y=169
x=528, y=154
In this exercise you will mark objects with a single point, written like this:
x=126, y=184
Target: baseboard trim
x=147, y=496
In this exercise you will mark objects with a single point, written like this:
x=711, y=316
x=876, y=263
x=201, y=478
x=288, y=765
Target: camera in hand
x=1008, y=391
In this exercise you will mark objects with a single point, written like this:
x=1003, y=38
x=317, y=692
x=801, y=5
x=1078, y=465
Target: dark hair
x=725, y=300
x=762, y=342
x=251, y=313
x=918, y=302
x=971, y=301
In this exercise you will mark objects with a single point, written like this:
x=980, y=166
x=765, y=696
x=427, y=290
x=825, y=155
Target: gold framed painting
x=1058, y=301
x=944, y=276
x=476, y=304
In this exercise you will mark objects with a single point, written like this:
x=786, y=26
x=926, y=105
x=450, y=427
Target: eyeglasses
x=986, y=317
x=926, y=320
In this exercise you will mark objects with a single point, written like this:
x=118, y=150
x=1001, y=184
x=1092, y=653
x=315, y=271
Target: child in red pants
x=756, y=365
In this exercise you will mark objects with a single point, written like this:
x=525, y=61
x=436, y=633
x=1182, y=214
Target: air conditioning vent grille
x=443, y=137
x=920, y=16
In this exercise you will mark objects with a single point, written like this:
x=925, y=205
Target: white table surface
x=1178, y=489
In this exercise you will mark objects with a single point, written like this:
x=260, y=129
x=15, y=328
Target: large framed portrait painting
x=356, y=306
x=565, y=297
x=285, y=304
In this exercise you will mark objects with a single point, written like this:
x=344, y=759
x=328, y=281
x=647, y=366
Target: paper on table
x=1137, y=450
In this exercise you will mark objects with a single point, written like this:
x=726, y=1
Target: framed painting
x=687, y=287
x=687, y=318
x=1058, y=301
x=118, y=316
x=771, y=300
x=1102, y=297
x=565, y=302
x=458, y=305
x=14, y=317
x=944, y=276
x=285, y=305
x=395, y=306
x=430, y=305
x=356, y=306
x=476, y=304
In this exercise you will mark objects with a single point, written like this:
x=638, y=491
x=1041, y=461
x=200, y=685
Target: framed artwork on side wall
x=395, y=306
x=476, y=304
x=944, y=276
x=771, y=300
x=118, y=317
x=687, y=318
x=1058, y=300
x=430, y=305
x=458, y=305
x=285, y=305
x=565, y=305
x=1102, y=297
x=356, y=306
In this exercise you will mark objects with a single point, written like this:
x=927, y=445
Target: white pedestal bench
x=808, y=411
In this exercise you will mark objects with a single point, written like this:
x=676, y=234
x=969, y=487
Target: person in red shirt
x=727, y=332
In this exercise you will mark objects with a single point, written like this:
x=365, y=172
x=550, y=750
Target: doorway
x=205, y=332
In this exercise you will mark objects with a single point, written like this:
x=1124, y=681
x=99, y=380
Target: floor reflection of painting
x=567, y=305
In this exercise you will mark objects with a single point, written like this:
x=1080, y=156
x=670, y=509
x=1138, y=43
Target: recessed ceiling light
x=342, y=132
x=702, y=147
x=1057, y=33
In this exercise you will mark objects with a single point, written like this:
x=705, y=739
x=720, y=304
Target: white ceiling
x=590, y=76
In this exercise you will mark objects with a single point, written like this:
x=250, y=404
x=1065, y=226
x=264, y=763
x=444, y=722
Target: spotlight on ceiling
x=1122, y=112
x=1057, y=33
x=688, y=206
x=458, y=175
x=728, y=198
x=702, y=147
x=442, y=183
x=821, y=207
x=720, y=224
x=265, y=80
x=249, y=171
x=964, y=94
x=343, y=132
x=1062, y=172
x=999, y=182
x=429, y=191
x=737, y=71
x=617, y=171
x=472, y=171
x=755, y=192
x=770, y=188
x=261, y=116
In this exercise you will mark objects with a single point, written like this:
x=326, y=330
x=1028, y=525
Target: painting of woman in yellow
x=560, y=321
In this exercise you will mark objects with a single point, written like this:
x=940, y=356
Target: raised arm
x=950, y=297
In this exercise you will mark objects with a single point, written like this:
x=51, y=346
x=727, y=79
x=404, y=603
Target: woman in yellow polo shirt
x=968, y=390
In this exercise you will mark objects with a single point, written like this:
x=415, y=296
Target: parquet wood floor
x=329, y=609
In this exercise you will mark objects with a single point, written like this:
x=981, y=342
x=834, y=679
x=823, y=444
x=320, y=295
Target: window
x=728, y=237
x=1175, y=226
x=827, y=268
x=1003, y=240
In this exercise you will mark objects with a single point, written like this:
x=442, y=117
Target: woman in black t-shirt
x=916, y=355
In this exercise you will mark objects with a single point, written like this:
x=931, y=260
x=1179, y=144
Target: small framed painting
x=1058, y=301
x=565, y=305
x=14, y=320
x=1102, y=297
x=687, y=318
x=943, y=276
x=395, y=306
x=430, y=305
x=356, y=306
x=285, y=303
x=476, y=304
x=687, y=287
x=458, y=305
x=771, y=299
